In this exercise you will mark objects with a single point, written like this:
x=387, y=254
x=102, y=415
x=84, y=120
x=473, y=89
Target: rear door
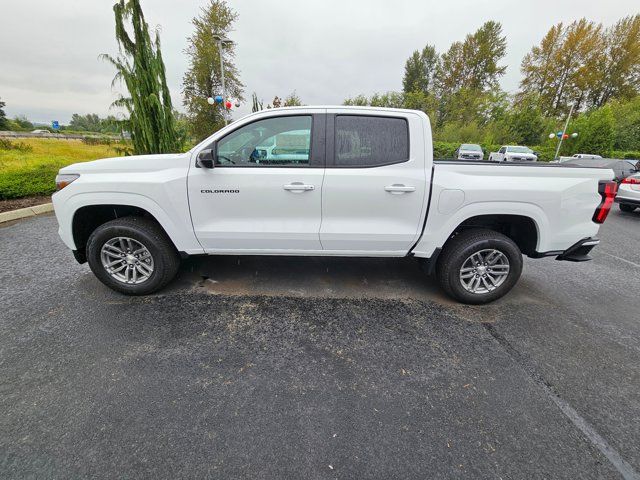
x=264, y=193
x=374, y=188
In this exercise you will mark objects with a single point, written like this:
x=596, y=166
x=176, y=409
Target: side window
x=502, y=150
x=368, y=141
x=270, y=142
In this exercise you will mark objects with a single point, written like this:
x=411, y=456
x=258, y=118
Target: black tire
x=165, y=257
x=625, y=207
x=458, y=249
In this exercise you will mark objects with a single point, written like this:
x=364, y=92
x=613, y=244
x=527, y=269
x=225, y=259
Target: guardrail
x=59, y=136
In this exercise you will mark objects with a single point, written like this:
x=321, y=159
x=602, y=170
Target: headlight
x=64, y=179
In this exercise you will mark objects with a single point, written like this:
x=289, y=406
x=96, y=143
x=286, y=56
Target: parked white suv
x=513, y=153
x=628, y=196
x=343, y=181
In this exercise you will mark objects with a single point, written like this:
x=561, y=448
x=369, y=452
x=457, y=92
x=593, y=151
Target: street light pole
x=221, y=42
x=564, y=130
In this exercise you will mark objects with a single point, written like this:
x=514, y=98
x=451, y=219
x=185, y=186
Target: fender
x=439, y=227
x=181, y=234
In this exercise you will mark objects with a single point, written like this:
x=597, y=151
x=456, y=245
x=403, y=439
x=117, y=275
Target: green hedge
x=24, y=183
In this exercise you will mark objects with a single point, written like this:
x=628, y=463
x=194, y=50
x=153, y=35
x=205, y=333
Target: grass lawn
x=30, y=173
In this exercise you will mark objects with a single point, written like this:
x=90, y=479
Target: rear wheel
x=132, y=255
x=625, y=207
x=479, y=266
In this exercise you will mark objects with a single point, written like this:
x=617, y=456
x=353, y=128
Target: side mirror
x=205, y=159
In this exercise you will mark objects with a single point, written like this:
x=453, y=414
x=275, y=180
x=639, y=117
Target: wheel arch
x=173, y=218
x=522, y=229
x=89, y=217
x=498, y=216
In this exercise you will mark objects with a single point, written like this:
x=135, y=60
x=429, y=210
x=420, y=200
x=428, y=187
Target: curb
x=26, y=212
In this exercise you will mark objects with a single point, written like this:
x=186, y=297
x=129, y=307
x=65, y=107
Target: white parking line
x=622, y=259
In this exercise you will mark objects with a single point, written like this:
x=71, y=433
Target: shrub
x=97, y=140
x=19, y=146
x=625, y=155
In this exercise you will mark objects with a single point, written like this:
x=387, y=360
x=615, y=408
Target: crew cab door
x=375, y=185
x=264, y=193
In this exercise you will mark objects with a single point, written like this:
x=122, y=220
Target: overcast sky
x=326, y=50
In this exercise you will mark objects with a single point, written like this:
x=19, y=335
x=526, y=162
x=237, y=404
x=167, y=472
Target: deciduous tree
x=468, y=71
x=293, y=100
x=564, y=67
x=419, y=70
x=617, y=71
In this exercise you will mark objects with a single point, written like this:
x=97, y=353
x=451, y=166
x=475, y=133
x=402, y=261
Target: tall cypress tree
x=140, y=67
x=3, y=117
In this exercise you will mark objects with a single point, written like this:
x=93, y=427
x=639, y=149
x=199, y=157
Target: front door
x=264, y=194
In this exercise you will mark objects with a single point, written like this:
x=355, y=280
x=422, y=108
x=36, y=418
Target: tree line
x=595, y=70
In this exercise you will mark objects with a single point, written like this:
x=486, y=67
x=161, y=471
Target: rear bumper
x=628, y=201
x=578, y=252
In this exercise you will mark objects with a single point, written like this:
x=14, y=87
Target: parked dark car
x=621, y=168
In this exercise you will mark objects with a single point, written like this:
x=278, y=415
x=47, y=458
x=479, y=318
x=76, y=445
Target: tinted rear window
x=367, y=141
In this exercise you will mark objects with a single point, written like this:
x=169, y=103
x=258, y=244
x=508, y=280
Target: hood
x=134, y=163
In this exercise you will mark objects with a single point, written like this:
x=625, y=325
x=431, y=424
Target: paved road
x=318, y=368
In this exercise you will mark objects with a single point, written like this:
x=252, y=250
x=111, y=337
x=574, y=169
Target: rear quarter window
x=369, y=141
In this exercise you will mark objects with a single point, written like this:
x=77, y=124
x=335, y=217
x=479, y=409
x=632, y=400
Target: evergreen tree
x=203, y=79
x=256, y=105
x=141, y=68
x=4, y=124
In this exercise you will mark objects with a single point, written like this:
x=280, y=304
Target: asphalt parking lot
x=318, y=368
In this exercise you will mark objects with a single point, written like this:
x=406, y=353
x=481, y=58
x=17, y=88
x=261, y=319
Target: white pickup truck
x=343, y=181
x=513, y=153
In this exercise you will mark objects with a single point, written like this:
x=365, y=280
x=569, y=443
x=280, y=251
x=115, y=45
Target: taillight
x=631, y=180
x=607, y=190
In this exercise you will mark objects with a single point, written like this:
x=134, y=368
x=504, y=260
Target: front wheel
x=479, y=266
x=132, y=255
x=625, y=207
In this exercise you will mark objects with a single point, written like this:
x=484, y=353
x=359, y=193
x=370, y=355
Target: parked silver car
x=469, y=151
x=628, y=197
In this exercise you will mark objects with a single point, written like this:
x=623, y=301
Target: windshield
x=470, y=147
x=519, y=150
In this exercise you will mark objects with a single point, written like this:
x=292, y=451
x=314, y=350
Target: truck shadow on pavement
x=325, y=277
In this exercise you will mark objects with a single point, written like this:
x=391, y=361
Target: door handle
x=298, y=187
x=397, y=189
